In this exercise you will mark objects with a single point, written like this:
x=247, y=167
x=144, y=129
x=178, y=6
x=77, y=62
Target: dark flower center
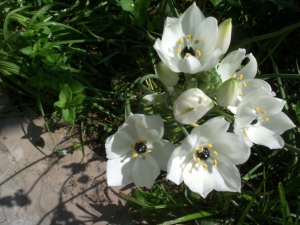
x=254, y=122
x=140, y=147
x=204, y=154
x=187, y=49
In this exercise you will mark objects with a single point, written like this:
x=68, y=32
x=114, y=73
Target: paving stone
x=39, y=187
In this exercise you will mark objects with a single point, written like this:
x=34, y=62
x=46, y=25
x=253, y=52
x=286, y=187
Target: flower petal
x=278, y=123
x=119, y=171
x=224, y=35
x=270, y=104
x=191, y=19
x=145, y=171
x=262, y=136
x=210, y=61
x=189, y=65
x=230, y=63
x=251, y=85
x=149, y=128
x=161, y=152
x=118, y=145
x=250, y=69
x=174, y=167
x=245, y=114
x=229, y=178
x=199, y=180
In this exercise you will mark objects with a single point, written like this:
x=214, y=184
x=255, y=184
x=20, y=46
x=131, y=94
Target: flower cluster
x=206, y=158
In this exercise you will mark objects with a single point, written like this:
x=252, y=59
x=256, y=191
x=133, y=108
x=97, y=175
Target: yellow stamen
x=180, y=42
x=215, y=162
x=187, y=54
x=205, y=166
x=198, y=53
x=197, y=160
x=189, y=36
x=234, y=75
x=241, y=76
x=194, y=125
x=256, y=109
x=196, y=42
x=145, y=142
x=263, y=111
x=178, y=50
x=200, y=149
x=209, y=145
x=132, y=146
x=244, y=84
x=143, y=157
x=240, y=93
x=244, y=133
x=149, y=151
x=215, y=153
x=134, y=155
x=138, y=141
x=266, y=119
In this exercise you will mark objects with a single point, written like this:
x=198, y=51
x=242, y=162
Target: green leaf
x=27, y=50
x=193, y=216
x=65, y=94
x=215, y=2
x=69, y=115
x=78, y=99
x=28, y=33
x=141, y=11
x=76, y=87
x=127, y=5
x=60, y=104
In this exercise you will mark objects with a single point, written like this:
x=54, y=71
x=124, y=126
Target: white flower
x=228, y=68
x=190, y=43
x=137, y=152
x=167, y=76
x=191, y=105
x=207, y=157
x=259, y=119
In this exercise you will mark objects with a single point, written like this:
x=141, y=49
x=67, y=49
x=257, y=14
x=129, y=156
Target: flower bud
x=167, y=76
x=224, y=35
x=191, y=83
x=191, y=105
x=228, y=92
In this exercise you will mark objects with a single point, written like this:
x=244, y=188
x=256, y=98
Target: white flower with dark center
x=259, y=119
x=137, y=152
x=191, y=43
x=228, y=69
x=191, y=105
x=206, y=159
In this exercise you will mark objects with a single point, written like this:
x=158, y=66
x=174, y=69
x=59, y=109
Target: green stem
x=286, y=76
x=291, y=148
x=218, y=110
x=182, y=129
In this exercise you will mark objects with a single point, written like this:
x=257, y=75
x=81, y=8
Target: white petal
x=245, y=114
x=250, y=69
x=253, y=84
x=199, y=180
x=161, y=152
x=174, y=166
x=145, y=172
x=230, y=147
x=189, y=65
x=229, y=180
x=207, y=35
x=211, y=61
x=210, y=128
x=270, y=104
x=278, y=123
x=230, y=63
x=118, y=145
x=262, y=136
x=149, y=128
x=224, y=35
x=191, y=19
x=239, y=131
x=119, y=171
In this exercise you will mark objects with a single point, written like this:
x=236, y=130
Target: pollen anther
x=189, y=36
x=132, y=146
x=266, y=119
x=234, y=75
x=241, y=76
x=240, y=93
x=244, y=133
x=180, y=42
x=145, y=142
x=205, y=166
x=198, y=53
x=196, y=42
x=263, y=111
x=178, y=50
x=149, y=151
x=244, y=84
x=197, y=160
x=143, y=157
x=215, y=162
x=209, y=145
x=215, y=152
x=134, y=155
x=256, y=109
x=138, y=141
x=187, y=54
x=200, y=149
